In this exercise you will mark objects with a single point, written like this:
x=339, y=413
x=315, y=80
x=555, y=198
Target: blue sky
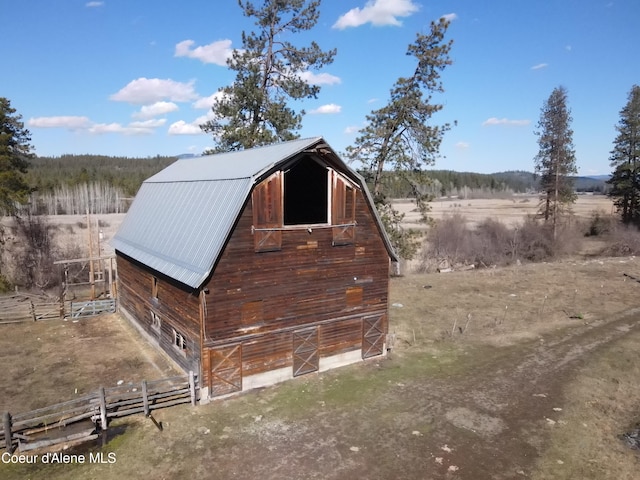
x=135, y=78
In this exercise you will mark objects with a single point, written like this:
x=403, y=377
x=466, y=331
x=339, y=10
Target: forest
x=73, y=184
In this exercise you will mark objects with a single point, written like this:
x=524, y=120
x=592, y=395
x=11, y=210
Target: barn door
x=305, y=351
x=225, y=374
x=373, y=334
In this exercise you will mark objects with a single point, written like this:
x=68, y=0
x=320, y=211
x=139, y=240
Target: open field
x=510, y=211
x=522, y=372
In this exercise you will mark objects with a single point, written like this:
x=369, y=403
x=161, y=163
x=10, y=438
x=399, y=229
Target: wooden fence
x=26, y=308
x=23, y=308
x=82, y=418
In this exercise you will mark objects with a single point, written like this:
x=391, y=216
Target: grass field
x=508, y=210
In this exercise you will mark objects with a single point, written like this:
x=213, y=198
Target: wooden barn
x=256, y=266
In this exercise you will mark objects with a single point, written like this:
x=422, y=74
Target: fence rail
x=92, y=308
x=22, y=308
x=25, y=308
x=90, y=413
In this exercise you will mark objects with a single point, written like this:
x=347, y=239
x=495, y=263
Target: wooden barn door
x=225, y=370
x=305, y=351
x=373, y=333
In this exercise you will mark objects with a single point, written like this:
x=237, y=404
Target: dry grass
x=509, y=211
x=53, y=361
x=600, y=404
x=510, y=304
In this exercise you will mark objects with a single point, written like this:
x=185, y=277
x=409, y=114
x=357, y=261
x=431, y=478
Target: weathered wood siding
x=176, y=307
x=259, y=299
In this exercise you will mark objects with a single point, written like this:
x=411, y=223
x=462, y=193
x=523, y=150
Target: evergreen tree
x=401, y=136
x=269, y=70
x=15, y=151
x=555, y=161
x=625, y=160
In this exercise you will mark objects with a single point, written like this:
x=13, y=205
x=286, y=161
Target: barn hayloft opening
x=306, y=193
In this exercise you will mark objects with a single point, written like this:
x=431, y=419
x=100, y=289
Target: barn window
x=267, y=214
x=305, y=193
x=179, y=342
x=156, y=323
x=343, y=203
x=154, y=287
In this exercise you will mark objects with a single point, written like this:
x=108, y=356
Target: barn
x=256, y=266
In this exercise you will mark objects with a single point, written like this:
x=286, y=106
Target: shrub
x=452, y=242
x=600, y=223
x=622, y=241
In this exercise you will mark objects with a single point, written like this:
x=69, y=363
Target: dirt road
x=466, y=413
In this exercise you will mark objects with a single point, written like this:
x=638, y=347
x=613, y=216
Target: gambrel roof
x=181, y=218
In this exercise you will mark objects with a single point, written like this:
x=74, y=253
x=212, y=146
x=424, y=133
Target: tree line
x=398, y=144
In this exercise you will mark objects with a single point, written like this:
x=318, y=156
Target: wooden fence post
x=145, y=398
x=8, y=440
x=103, y=409
x=192, y=387
x=33, y=310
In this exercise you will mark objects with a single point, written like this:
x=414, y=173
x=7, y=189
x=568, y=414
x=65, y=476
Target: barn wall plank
x=177, y=308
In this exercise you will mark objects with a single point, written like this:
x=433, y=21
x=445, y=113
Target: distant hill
x=521, y=181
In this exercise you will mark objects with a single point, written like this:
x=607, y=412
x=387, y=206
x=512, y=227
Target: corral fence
x=24, y=308
x=91, y=308
x=83, y=418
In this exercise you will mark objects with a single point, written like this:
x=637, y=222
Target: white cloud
x=327, y=109
x=183, y=128
x=134, y=128
x=320, y=78
x=93, y=4
x=207, y=102
x=378, y=13
x=351, y=129
x=149, y=124
x=71, y=123
x=450, y=17
x=216, y=52
x=540, y=66
x=505, y=121
x=462, y=145
x=156, y=109
x=149, y=90
x=372, y=100
x=83, y=124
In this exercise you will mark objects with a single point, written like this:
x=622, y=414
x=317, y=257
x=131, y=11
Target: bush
x=622, y=241
x=600, y=223
x=452, y=242
x=5, y=284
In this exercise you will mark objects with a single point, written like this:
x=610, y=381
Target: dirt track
x=489, y=421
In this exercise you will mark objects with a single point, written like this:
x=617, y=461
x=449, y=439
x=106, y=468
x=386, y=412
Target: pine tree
x=401, y=135
x=269, y=70
x=15, y=151
x=625, y=160
x=556, y=160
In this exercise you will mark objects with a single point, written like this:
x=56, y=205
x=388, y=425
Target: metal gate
x=225, y=374
x=305, y=351
x=373, y=334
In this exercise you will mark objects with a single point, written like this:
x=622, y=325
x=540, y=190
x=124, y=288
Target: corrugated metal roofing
x=181, y=217
x=230, y=165
x=179, y=228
